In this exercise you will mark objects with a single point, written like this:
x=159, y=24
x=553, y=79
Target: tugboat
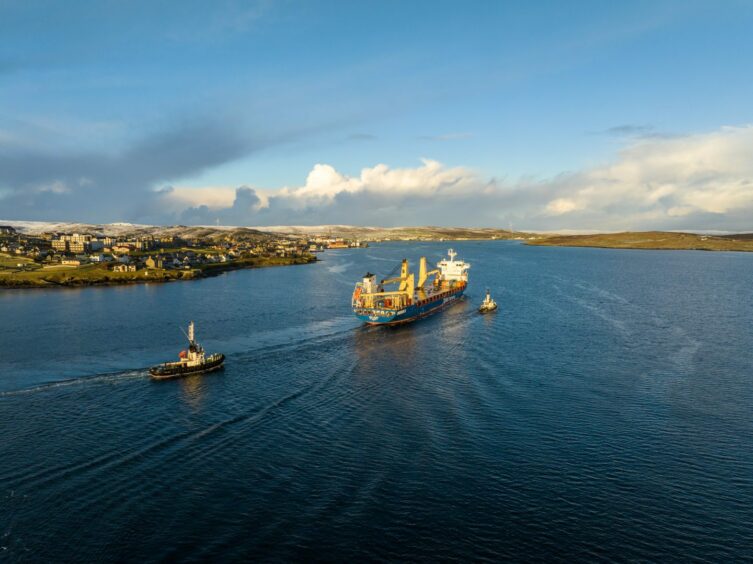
x=192, y=361
x=488, y=305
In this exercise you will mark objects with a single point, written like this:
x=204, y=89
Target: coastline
x=101, y=276
x=651, y=241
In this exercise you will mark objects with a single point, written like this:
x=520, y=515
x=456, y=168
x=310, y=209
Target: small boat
x=191, y=361
x=488, y=305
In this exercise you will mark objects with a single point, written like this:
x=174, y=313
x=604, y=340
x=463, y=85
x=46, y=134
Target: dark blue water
x=605, y=412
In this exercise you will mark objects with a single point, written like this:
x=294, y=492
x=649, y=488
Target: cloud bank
x=59, y=184
x=701, y=181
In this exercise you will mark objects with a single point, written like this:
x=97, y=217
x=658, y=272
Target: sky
x=547, y=116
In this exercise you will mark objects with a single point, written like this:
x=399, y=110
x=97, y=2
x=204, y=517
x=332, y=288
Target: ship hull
x=167, y=372
x=410, y=313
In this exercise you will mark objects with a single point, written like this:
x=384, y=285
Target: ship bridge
x=453, y=270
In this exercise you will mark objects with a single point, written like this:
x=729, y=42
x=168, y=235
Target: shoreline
x=67, y=279
x=624, y=248
x=650, y=241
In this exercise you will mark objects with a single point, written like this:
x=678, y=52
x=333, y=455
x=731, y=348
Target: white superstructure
x=194, y=356
x=453, y=269
x=488, y=304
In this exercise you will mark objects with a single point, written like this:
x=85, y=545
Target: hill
x=659, y=240
x=217, y=233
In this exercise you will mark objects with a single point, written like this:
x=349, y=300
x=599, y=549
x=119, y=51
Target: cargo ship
x=403, y=298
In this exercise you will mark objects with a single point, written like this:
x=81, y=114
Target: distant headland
x=43, y=254
x=652, y=240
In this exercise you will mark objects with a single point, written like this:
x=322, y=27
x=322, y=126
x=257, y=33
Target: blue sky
x=539, y=112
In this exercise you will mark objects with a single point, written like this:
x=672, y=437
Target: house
x=124, y=268
x=70, y=262
x=99, y=258
x=154, y=263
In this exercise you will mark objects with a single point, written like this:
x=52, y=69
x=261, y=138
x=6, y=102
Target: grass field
x=12, y=261
x=658, y=240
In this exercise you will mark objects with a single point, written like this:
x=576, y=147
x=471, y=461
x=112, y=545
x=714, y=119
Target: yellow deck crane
x=404, y=294
x=423, y=275
x=371, y=295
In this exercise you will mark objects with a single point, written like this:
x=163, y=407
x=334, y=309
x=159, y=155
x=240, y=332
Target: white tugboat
x=191, y=361
x=488, y=305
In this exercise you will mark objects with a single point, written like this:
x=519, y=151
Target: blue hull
x=378, y=316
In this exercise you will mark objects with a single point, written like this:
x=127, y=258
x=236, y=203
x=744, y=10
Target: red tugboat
x=192, y=361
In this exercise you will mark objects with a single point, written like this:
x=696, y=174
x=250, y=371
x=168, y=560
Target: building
x=78, y=246
x=124, y=268
x=76, y=243
x=154, y=262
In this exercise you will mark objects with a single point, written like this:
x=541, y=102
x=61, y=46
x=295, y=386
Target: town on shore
x=54, y=258
x=37, y=254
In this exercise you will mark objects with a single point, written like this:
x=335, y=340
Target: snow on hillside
x=35, y=227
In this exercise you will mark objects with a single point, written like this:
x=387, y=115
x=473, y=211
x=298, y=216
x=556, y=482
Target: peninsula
x=651, y=240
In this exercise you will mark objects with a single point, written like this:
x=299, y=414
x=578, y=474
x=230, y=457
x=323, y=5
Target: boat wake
x=108, y=378
x=339, y=268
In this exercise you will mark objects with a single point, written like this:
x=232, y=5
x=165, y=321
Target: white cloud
x=560, y=206
x=708, y=173
x=324, y=183
x=214, y=197
x=55, y=187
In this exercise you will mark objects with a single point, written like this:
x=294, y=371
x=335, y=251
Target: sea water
x=605, y=411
